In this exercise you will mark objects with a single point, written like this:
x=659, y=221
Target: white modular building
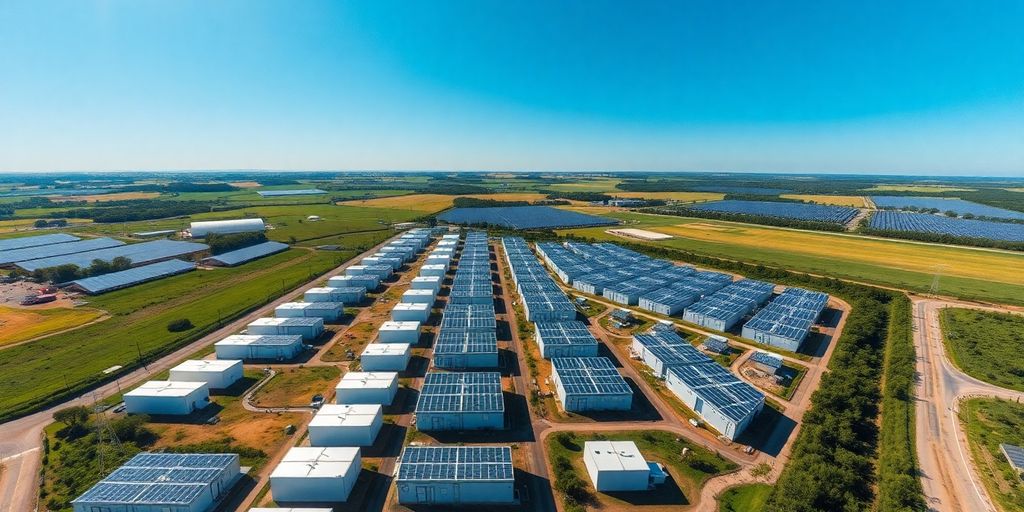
x=590, y=384
x=382, y=272
x=308, y=328
x=616, y=466
x=226, y=227
x=659, y=352
x=316, y=475
x=461, y=401
x=426, y=283
x=167, y=397
x=419, y=296
x=157, y=482
x=438, y=259
x=355, y=270
x=369, y=282
x=565, y=339
x=249, y=347
x=433, y=270
x=722, y=400
x=367, y=388
x=411, y=312
x=329, y=311
x=216, y=373
x=346, y=425
x=347, y=295
x=455, y=475
x=399, y=332
x=385, y=357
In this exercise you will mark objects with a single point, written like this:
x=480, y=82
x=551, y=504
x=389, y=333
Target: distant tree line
x=473, y=202
x=56, y=223
x=68, y=272
x=138, y=209
x=221, y=243
x=580, y=196
x=683, y=211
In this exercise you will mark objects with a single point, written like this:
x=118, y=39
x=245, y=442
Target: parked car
x=317, y=401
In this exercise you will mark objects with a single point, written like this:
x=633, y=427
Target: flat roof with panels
x=589, y=376
x=732, y=397
x=461, y=392
x=447, y=463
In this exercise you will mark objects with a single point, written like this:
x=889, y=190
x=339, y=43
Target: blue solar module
x=942, y=225
x=461, y=392
x=296, y=192
x=767, y=359
x=523, y=217
x=427, y=463
x=459, y=342
x=57, y=249
x=589, y=376
x=722, y=390
x=461, y=317
x=798, y=211
x=133, y=276
x=139, y=254
x=944, y=204
x=36, y=241
x=565, y=333
x=160, y=480
x=246, y=254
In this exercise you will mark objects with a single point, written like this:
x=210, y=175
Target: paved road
x=948, y=475
x=21, y=439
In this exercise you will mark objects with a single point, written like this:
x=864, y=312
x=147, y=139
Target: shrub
x=179, y=325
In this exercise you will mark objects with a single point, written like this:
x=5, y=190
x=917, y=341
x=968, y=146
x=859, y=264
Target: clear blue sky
x=910, y=86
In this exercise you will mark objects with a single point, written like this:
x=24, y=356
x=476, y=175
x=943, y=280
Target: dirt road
x=948, y=475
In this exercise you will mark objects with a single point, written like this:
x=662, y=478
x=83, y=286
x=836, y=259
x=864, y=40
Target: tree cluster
x=221, y=243
x=68, y=272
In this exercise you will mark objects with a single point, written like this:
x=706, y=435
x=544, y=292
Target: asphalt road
x=948, y=474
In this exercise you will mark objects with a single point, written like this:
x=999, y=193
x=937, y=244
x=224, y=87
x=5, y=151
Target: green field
x=989, y=422
x=986, y=345
x=744, y=498
x=295, y=387
x=976, y=274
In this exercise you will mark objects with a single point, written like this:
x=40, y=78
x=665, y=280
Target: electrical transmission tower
x=937, y=269
x=105, y=434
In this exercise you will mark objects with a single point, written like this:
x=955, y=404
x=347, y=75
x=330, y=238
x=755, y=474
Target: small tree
x=41, y=223
x=72, y=416
x=179, y=325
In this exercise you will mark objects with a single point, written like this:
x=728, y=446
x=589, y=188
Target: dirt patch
x=244, y=184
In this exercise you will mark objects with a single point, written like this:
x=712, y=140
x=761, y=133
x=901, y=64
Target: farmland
x=851, y=201
x=987, y=423
x=939, y=225
x=683, y=197
x=978, y=274
x=986, y=345
x=18, y=325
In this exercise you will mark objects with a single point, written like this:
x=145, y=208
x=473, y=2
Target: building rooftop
x=158, y=388
x=439, y=463
x=367, y=380
x=615, y=455
x=207, y=365
x=260, y=339
x=346, y=415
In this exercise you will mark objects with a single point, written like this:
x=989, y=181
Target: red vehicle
x=38, y=299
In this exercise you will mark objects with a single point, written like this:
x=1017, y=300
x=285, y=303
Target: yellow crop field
x=918, y=257
x=18, y=325
x=854, y=201
x=1015, y=189
x=672, y=196
x=100, y=198
x=588, y=185
x=918, y=188
x=436, y=202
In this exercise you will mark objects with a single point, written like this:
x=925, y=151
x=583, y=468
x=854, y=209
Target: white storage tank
x=346, y=425
x=329, y=311
x=399, y=332
x=433, y=270
x=616, y=466
x=432, y=283
x=419, y=296
x=366, y=281
x=225, y=227
x=216, y=373
x=385, y=357
x=167, y=397
x=367, y=388
x=316, y=475
x=411, y=312
x=258, y=347
x=308, y=328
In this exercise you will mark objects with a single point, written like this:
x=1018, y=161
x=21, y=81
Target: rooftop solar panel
x=11, y=244
x=461, y=392
x=133, y=276
x=421, y=463
x=457, y=342
x=56, y=250
x=140, y=253
x=589, y=376
x=732, y=397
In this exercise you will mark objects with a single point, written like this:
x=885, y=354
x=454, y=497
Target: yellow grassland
x=18, y=325
x=854, y=201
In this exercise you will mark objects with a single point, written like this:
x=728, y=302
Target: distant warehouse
x=226, y=227
x=245, y=254
x=139, y=254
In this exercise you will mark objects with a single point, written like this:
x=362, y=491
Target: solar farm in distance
x=523, y=217
x=795, y=211
x=942, y=225
x=942, y=204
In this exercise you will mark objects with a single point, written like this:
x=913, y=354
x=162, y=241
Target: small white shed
x=315, y=474
x=329, y=311
x=308, y=328
x=348, y=294
x=411, y=312
x=216, y=373
x=259, y=347
x=167, y=397
x=433, y=270
x=616, y=466
x=366, y=281
x=419, y=296
x=385, y=357
x=367, y=388
x=399, y=332
x=426, y=283
x=355, y=270
x=346, y=425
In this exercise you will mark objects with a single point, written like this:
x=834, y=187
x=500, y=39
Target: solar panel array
x=542, y=299
x=944, y=204
x=766, y=359
x=1014, y=455
x=140, y=253
x=565, y=333
x=461, y=392
x=11, y=244
x=788, y=319
x=468, y=317
x=784, y=210
x=942, y=225
x=56, y=249
x=247, y=254
x=160, y=479
x=133, y=276
x=429, y=463
x=724, y=308
x=461, y=342
x=523, y=217
x=589, y=376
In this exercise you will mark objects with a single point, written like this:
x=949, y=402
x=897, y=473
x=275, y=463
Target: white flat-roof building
x=433, y=270
x=616, y=466
x=455, y=475
x=385, y=357
x=250, y=347
x=399, y=332
x=347, y=295
x=346, y=425
x=419, y=296
x=216, y=373
x=167, y=397
x=432, y=283
x=369, y=282
x=308, y=328
x=411, y=312
x=225, y=227
x=315, y=474
x=722, y=400
x=355, y=270
x=367, y=388
x=329, y=311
